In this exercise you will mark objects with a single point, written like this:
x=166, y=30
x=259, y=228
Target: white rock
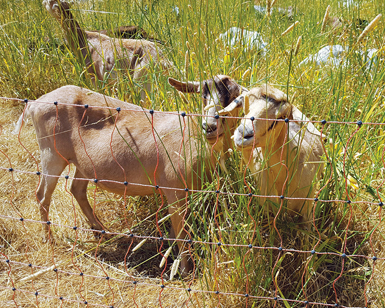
x=262, y=10
x=327, y=55
x=175, y=9
x=247, y=39
x=347, y=3
x=370, y=57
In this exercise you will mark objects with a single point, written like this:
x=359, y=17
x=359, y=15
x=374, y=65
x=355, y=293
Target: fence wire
x=34, y=271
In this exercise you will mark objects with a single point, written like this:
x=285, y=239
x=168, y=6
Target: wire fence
x=136, y=282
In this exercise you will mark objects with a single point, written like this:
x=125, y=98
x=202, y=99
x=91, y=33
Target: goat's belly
x=134, y=181
x=131, y=189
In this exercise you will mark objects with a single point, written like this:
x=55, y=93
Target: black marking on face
x=270, y=99
x=226, y=89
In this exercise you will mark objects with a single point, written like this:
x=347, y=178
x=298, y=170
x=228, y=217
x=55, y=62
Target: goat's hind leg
x=79, y=191
x=52, y=167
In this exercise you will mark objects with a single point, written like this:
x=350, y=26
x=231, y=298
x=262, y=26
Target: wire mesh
x=32, y=271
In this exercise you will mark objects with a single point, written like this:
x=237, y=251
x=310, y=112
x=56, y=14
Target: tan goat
x=128, y=32
x=301, y=153
x=102, y=55
x=217, y=93
x=82, y=135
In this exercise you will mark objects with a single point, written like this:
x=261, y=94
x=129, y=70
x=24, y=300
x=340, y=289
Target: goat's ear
x=185, y=87
x=274, y=94
x=231, y=86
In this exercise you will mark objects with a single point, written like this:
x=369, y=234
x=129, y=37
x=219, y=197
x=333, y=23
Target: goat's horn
x=209, y=106
x=233, y=105
x=246, y=104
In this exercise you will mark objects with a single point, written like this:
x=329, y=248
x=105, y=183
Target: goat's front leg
x=79, y=191
x=177, y=211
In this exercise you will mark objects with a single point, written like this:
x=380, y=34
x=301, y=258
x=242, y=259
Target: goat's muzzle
x=211, y=130
x=244, y=136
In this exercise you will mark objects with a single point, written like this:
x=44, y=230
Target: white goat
x=294, y=144
x=103, y=55
x=81, y=135
x=217, y=93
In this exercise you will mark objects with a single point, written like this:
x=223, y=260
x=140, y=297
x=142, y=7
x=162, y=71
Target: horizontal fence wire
x=189, y=239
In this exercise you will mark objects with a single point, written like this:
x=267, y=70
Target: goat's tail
x=19, y=122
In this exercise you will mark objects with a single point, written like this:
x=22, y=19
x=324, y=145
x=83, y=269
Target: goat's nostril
x=211, y=129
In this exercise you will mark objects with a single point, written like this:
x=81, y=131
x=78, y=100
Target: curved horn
x=209, y=106
x=185, y=87
x=238, y=102
x=246, y=104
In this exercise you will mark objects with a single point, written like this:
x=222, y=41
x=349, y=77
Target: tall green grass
x=35, y=60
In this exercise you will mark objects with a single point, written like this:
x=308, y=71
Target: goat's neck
x=284, y=146
x=76, y=36
x=277, y=147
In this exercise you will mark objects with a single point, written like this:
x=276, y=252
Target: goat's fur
x=301, y=153
x=70, y=138
x=217, y=93
x=128, y=32
x=103, y=55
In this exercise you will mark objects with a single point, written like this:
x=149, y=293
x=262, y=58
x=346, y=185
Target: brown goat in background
x=103, y=55
x=129, y=32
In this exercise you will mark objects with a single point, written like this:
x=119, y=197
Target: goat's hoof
x=186, y=270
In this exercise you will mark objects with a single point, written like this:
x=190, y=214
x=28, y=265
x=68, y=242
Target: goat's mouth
x=243, y=140
x=212, y=133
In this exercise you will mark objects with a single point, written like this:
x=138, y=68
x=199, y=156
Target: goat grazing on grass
x=294, y=144
x=102, y=54
x=122, y=159
x=217, y=93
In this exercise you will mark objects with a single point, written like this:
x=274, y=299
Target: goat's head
x=260, y=103
x=56, y=8
x=217, y=93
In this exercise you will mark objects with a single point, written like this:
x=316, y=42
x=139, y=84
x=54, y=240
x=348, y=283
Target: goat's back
x=125, y=54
